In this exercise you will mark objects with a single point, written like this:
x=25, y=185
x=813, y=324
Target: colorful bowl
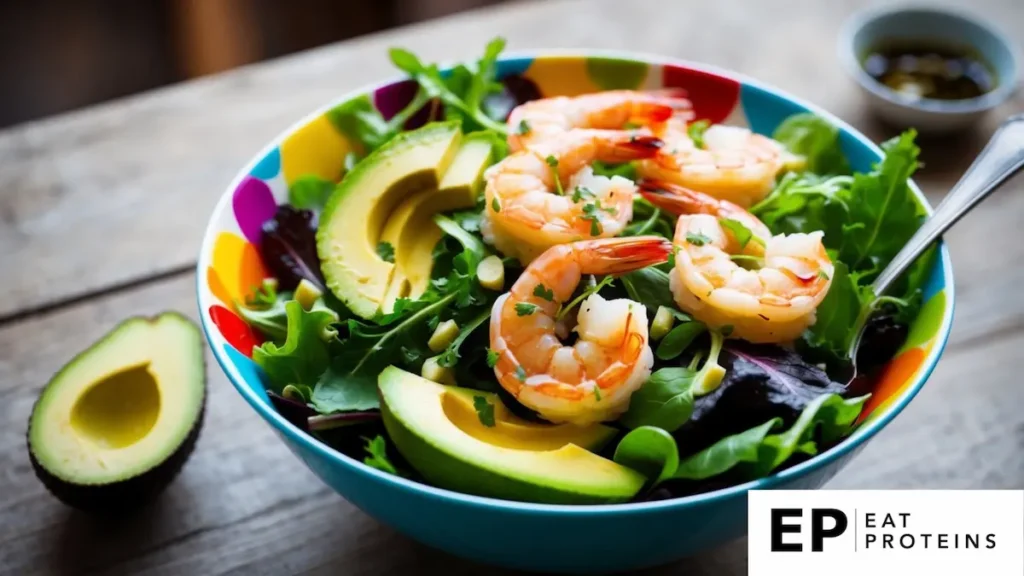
x=535, y=536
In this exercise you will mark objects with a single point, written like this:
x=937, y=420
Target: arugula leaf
x=650, y=451
x=804, y=203
x=450, y=356
x=814, y=138
x=304, y=356
x=839, y=313
x=484, y=411
x=310, y=192
x=696, y=132
x=386, y=251
x=678, y=340
x=883, y=211
x=377, y=455
x=665, y=401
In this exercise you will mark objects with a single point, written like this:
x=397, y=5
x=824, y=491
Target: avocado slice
x=411, y=229
x=115, y=425
x=439, y=431
x=353, y=219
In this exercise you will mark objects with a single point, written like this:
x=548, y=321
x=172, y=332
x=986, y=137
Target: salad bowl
x=541, y=537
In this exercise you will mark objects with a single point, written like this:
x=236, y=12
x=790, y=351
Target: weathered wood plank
x=122, y=191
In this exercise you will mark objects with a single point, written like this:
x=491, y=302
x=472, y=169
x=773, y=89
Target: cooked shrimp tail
x=622, y=255
x=679, y=200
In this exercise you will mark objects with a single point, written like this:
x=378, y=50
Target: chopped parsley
x=580, y=193
x=386, y=252
x=523, y=128
x=553, y=162
x=525, y=308
x=696, y=132
x=740, y=232
x=521, y=373
x=698, y=239
x=495, y=205
x=597, y=392
x=492, y=358
x=484, y=411
x=590, y=212
x=546, y=293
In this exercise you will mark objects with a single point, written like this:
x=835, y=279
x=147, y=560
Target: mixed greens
x=714, y=412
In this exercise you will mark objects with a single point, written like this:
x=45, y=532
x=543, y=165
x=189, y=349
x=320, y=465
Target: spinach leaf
x=815, y=139
x=650, y=287
x=723, y=455
x=678, y=340
x=650, y=451
x=883, y=211
x=304, y=356
x=665, y=400
x=310, y=192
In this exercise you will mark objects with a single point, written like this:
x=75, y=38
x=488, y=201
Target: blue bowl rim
x=851, y=62
x=851, y=443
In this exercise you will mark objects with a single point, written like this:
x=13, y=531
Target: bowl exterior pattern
x=518, y=534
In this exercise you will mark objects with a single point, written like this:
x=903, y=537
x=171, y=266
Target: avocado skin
x=125, y=496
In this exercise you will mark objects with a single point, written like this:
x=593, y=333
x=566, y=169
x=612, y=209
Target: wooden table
x=102, y=212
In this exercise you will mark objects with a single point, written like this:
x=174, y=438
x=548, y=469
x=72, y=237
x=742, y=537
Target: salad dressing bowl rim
x=852, y=442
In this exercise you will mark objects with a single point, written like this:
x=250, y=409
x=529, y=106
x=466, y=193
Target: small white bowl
x=867, y=29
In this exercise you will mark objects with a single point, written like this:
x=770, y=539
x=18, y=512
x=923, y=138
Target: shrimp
x=548, y=194
x=593, y=379
x=734, y=163
x=602, y=113
x=772, y=301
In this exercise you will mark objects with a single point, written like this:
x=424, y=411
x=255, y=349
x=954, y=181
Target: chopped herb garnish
x=597, y=392
x=546, y=293
x=580, y=193
x=755, y=260
x=492, y=358
x=740, y=232
x=484, y=411
x=495, y=205
x=523, y=128
x=553, y=162
x=386, y=252
x=696, y=132
x=697, y=239
x=521, y=373
x=631, y=126
x=525, y=308
x=606, y=281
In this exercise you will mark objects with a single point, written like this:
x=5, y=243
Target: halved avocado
x=439, y=431
x=116, y=424
x=411, y=230
x=352, y=222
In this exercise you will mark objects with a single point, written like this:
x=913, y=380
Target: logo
x=842, y=532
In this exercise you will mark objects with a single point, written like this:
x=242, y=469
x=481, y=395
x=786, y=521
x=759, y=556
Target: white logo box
x=898, y=532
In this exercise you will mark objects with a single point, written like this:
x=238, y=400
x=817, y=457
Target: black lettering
x=888, y=522
x=779, y=528
x=886, y=540
x=956, y=541
x=943, y=541
x=868, y=540
x=925, y=537
x=903, y=541
x=973, y=540
x=991, y=539
x=904, y=515
x=818, y=531
x=869, y=520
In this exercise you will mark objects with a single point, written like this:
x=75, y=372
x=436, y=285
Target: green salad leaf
x=304, y=355
x=678, y=340
x=377, y=456
x=839, y=313
x=816, y=140
x=650, y=287
x=267, y=314
x=696, y=132
x=664, y=401
x=310, y=192
x=755, y=453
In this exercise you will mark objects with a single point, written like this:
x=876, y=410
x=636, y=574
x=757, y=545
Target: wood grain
x=120, y=192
